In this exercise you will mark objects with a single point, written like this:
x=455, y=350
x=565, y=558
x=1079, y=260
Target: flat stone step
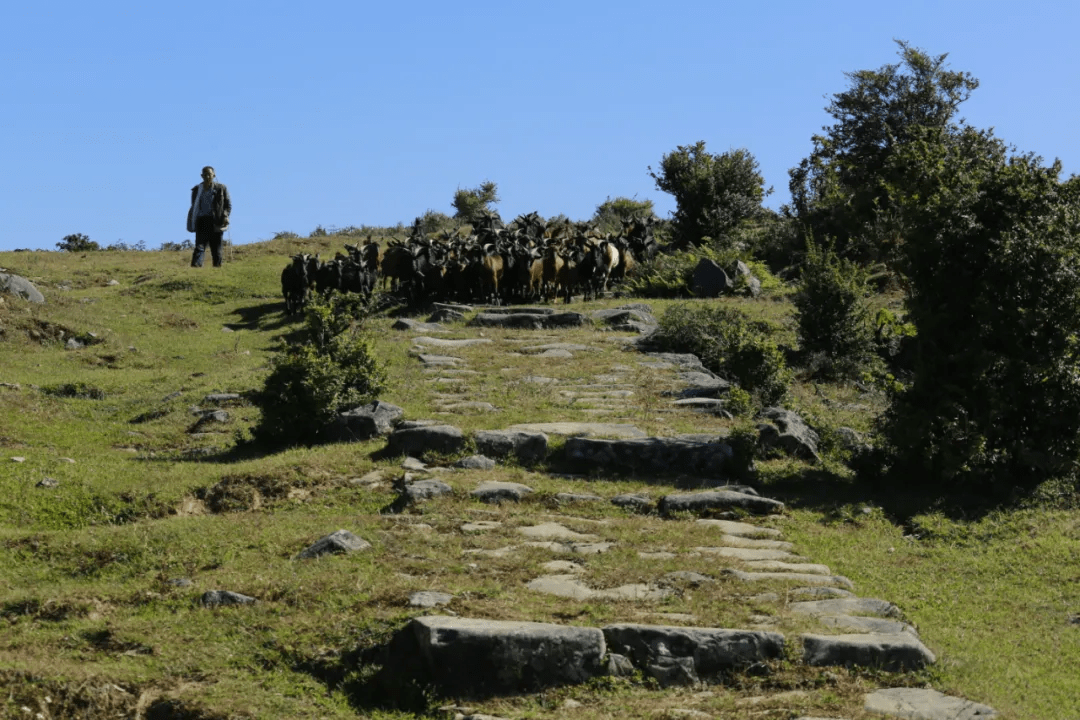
x=745, y=542
x=718, y=500
x=733, y=527
x=801, y=578
x=569, y=586
x=747, y=553
x=425, y=341
x=779, y=566
x=924, y=704
x=582, y=429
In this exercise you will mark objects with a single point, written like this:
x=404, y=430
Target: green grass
x=91, y=617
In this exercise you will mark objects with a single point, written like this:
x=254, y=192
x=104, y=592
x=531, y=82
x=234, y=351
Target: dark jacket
x=220, y=207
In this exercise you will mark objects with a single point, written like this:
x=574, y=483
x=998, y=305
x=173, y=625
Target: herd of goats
x=528, y=260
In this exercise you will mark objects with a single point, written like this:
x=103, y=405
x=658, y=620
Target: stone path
x=805, y=610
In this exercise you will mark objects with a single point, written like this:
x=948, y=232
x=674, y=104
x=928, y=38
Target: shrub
x=310, y=382
x=833, y=317
x=729, y=344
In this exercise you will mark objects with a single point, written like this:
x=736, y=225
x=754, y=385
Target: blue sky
x=351, y=113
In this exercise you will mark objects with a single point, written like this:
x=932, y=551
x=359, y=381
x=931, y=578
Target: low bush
x=331, y=370
x=730, y=344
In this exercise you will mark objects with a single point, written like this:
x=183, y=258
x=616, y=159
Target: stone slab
x=894, y=652
x=582, y=429
x=472, y=658
x=925, y=704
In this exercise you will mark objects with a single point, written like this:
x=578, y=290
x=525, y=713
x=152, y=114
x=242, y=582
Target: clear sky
x=352, y=113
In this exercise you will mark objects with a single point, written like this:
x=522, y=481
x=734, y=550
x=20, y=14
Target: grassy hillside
x=115, y=517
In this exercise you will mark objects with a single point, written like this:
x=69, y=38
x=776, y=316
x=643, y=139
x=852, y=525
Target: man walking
x=208, y=217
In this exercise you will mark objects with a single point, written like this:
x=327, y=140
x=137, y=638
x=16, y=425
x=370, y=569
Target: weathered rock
x=429, y=599
x=417, y=326
x=336, y=543
x=634, y=502
x=582, y=429
x=467, y=406
x=527, y=447
x=700, y=502
x=789, y=433
x=368, y=421
x=442, y=315
x=425, y=341
x=733, y=527
x=619, y=317
x=215, y=598
x=48, y=483
x=577, y=498
x=713, y=406
x=414, y=465
x=801, y=578
x=517, y=321
x=445, y=439
x=709, y=279
x=420, y=490
x=738, y=541
x=453, y=306
x=20, y=287
x=693, y=653
x=892, y=652
x=747, y=554
x=496, y=492
x=821, y=591
x=566, y=319
x=471, y=658
x=649, y=454
x=847, y=606
x=924, y=704
x=858, y=623
x=475, y=462
x=519, y=311
x=568, y=586
x=687, y=362
x=439, y=359
x=686, y=577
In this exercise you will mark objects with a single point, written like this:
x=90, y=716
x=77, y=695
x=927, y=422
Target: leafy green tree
x=992, y=260
x=77, y=243
x=612, y=213
x=847, y=188
x=713, y=193
x=470, y=203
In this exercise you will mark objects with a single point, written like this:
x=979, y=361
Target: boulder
x=710, y=280
x=336, y=543
x=444, y=439
x=417, y=326
x=475, y=462
x=420, y=490
x=527, y=447
x=216, y=598
x=894, y=652
x=518, y=321
x=681, y=455
x=368, y=421
x=497, y=492
x=634, y=503
x=788, y=432
x=20, y=287
x=684, y=655
x=471, y=658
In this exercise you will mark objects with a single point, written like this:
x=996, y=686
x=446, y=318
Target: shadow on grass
x=264, y=317
x=824, y=491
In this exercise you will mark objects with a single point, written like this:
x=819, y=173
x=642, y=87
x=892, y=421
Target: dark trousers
x=206, y=234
